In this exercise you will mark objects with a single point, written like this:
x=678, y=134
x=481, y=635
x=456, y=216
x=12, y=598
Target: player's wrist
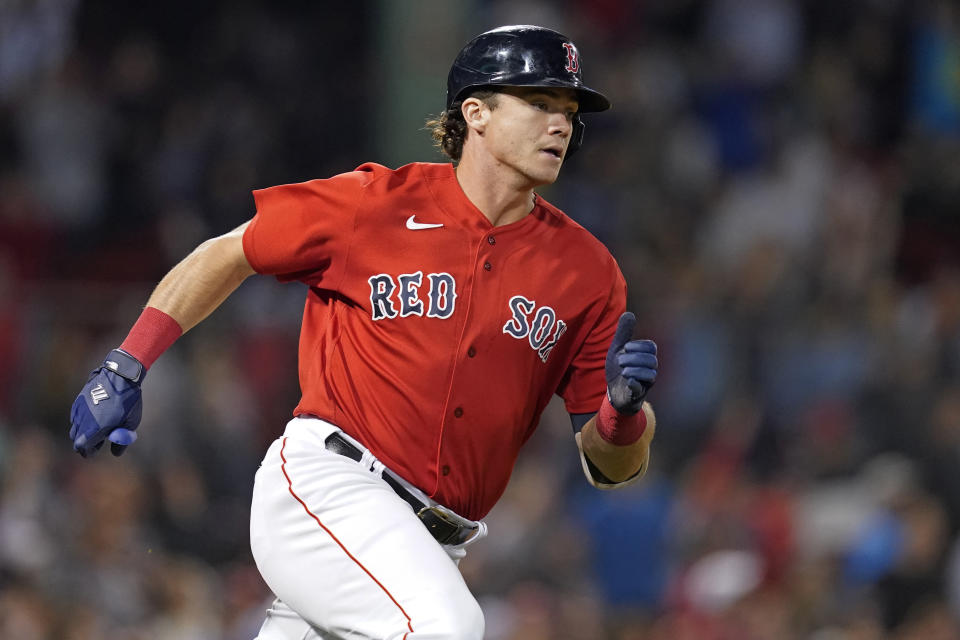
x=618, y=428
x=125, y=365
x=622, y=398
x=152, y=334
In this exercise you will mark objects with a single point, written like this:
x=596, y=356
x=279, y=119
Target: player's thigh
x=343, y=551
x=283, y=623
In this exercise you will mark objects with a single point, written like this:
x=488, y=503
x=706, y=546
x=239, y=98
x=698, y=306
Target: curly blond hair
x=449, y=129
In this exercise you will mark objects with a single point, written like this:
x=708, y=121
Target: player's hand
x=631, y=367
x=109, y=406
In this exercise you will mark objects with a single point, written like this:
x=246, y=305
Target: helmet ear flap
x=576, y=136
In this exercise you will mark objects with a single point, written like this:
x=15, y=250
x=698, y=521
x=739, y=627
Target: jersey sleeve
x=585, y=383
x=304, y=231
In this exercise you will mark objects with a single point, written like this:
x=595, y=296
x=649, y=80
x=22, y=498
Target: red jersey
x=429, y=335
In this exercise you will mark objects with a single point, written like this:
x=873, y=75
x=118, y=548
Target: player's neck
x=503, y=199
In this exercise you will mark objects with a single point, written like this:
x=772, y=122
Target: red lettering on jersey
x=441, y=295
x=410, y=304
x=381, y=306
x=573, y=58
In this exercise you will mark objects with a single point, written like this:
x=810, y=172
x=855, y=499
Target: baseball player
x=447, y=304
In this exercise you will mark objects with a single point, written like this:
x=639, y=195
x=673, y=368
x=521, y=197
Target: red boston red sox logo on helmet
x=573, y=58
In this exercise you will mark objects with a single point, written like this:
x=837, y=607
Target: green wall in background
x=416, y=42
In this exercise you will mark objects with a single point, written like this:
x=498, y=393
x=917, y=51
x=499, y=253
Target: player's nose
x=560, y=125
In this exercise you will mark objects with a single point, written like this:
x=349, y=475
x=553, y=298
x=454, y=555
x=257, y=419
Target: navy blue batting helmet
x=523, y=56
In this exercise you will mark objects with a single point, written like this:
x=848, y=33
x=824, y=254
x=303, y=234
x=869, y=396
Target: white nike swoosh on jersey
x=412, y=224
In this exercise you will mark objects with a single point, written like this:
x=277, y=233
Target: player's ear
x=475, y=114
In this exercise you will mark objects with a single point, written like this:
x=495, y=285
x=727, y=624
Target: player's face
x=529, y=130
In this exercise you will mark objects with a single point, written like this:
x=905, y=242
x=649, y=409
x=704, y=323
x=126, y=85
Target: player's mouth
x=556, y=152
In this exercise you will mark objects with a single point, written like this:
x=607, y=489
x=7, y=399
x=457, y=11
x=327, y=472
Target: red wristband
x=617, y=428
x=151, y=335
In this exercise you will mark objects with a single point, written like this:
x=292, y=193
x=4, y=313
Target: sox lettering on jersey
x=441, y=295
x=542, y=329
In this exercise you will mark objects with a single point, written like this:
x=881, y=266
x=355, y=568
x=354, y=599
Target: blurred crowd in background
x=779, y=180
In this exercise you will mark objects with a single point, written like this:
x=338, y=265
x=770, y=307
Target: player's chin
x=546, y=171
x=540, y=179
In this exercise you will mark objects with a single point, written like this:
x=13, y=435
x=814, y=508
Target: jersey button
x=458, y=412
x=487, y=266
x=491, y=240
x=471, y=352
x=445, y=470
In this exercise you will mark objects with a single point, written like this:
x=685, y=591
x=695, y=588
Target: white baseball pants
x=346, y=557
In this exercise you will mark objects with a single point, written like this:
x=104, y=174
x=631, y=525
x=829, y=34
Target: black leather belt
x=444, y=525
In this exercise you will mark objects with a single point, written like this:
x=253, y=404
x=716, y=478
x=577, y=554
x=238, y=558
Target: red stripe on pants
x=340, y=544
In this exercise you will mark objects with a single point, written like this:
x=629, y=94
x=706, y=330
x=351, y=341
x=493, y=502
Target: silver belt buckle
x=466, y=529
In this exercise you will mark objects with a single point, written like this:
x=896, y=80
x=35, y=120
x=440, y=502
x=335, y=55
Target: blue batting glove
x=109, y=406
x=631, y=367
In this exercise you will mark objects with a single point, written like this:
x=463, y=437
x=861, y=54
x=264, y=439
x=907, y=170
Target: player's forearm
x=618, y=463
x=203, y=280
